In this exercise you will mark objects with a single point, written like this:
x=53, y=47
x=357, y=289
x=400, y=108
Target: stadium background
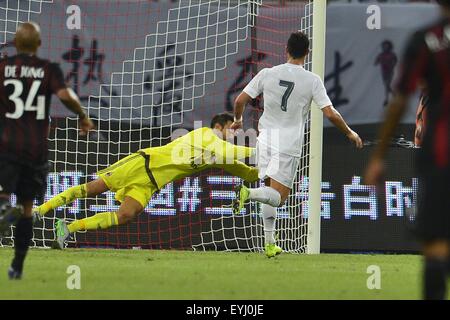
x=354, y=217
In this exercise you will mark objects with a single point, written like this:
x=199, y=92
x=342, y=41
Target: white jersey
x=288, y=91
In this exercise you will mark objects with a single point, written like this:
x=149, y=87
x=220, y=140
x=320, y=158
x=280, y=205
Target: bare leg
x=96, y=187
x=129, y=209
x=282, y=189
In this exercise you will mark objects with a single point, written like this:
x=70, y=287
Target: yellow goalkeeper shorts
x=129, y=178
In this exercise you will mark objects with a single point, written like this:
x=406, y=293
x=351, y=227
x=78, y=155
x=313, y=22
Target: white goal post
x=316, y=134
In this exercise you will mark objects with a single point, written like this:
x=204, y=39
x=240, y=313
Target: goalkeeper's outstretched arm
x=224, y=151
x=241, y=170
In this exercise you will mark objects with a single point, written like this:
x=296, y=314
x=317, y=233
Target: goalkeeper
x=138, y=176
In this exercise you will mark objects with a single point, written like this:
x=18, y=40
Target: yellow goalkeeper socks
x=63, y=198
x=102, y=220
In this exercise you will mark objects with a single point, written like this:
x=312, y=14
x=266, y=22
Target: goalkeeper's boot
x=242, y=195
x=14, y=274
x=62, y=233
x=8, y=217
x=272, y=250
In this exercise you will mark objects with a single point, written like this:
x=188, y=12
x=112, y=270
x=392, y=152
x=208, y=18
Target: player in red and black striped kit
x=427, y=60
x=26, y=86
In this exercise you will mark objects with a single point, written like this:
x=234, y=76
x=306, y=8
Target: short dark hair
x=222, y=119
x=298, y=45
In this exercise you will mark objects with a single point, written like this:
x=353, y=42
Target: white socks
x=266, y=195
x=270, y=199
x=269, y=215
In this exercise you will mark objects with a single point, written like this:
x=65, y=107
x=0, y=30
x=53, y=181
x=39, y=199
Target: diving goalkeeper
x=135, y=178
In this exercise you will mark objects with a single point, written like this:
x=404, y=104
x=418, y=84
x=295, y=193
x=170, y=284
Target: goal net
x=143, y=70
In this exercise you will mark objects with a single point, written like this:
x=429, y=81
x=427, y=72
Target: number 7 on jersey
x=289, y=87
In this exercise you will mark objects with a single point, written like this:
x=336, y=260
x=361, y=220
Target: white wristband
x=238, y=120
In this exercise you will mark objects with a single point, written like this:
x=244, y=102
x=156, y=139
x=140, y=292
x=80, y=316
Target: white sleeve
x=256, y=86
x=320, y=95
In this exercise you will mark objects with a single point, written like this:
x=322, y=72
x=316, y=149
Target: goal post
x=316, y=134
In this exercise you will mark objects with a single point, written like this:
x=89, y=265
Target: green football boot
x=242, y=194
x=62, y=233
x=272, y=250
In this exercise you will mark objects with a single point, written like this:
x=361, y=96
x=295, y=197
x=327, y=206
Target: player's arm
x=239, y=106
x=322, y=100
x=224, y=151
x=68, y=97
x=251, y=91
x=71, y=101
x=335, y=118
x=227, y=156
x=240, y=169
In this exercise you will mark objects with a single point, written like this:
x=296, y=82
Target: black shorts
x=27, y=181
x=433, y=217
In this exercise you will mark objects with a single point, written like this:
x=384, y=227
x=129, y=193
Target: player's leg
x=283, y=191
x=9, y=177
x=113, y=178
x=31, y=184
x=129, y=180
x=436, y=254
x=22, y=239
x=90, y=189
x=281, y=170
x=265, y=194
x=269, y=214
x=128, y=210
x=274, y=193
x=433, y=229
x=278, y=170
x=8, y=214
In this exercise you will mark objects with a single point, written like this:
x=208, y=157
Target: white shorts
x=278, y=166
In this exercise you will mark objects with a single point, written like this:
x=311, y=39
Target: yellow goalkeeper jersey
x=196, y=151
x=141, y=174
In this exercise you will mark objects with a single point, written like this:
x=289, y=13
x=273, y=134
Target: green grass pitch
x=158, y=274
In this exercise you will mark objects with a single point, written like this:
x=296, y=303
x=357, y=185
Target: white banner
x=361, y=64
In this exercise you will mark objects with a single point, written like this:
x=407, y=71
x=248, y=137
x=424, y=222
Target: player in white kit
x=288, y=90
